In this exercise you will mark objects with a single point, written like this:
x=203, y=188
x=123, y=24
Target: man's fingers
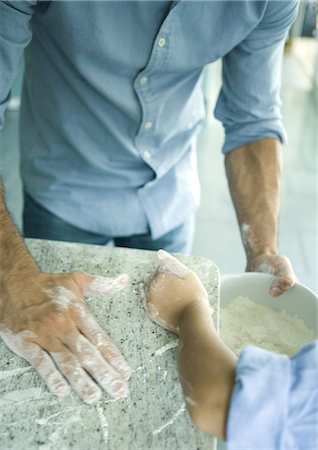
x=277, y=265
x=94, y=333
x=67, y=365
x=98, y=285
x=88, y=325
x=38, y=358
x=94, y=363
x=280, y=285
x=110, y=353
x=170, y=264
x=41, y=361
x=106, y=286
x=44, y=365
x=76, y=375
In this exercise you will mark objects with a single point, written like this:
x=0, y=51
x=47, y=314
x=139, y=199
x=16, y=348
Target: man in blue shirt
x=111, y=108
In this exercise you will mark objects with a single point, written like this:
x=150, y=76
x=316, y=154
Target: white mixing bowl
x=298, y=301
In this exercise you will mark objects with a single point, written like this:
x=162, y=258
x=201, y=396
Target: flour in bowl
x=244, y=322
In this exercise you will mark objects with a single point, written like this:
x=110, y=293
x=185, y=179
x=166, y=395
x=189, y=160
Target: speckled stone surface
x=153, y=416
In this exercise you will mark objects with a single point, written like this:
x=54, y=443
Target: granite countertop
x=153, y=416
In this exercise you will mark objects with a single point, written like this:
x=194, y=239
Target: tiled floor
x=217, y=235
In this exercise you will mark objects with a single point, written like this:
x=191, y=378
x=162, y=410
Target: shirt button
x=148, y=125
x=161, y=42
x=146, y=154
x=143, y=80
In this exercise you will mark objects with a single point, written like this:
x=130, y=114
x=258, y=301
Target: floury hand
x=48, y=323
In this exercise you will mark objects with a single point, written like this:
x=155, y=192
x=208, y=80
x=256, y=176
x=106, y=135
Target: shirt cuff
x=244, y=134
x=260, y=394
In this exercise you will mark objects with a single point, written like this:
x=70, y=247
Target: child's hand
x=172, y=289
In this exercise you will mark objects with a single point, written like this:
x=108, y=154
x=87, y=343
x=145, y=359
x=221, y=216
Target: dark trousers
x=40, y=223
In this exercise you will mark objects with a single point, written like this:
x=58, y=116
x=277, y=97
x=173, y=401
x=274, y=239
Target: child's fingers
x=170, y=264
x=153, y=312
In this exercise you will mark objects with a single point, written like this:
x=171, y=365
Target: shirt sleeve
x=274, y=404
x=249, y=101
x=15, y=34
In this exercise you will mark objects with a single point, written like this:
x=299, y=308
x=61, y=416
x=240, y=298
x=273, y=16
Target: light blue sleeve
x=274, y=404
x=15, y=34
x=249, y=101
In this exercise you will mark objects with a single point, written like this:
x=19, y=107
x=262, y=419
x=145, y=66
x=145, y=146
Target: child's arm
x=274, y=401
x=177, y=300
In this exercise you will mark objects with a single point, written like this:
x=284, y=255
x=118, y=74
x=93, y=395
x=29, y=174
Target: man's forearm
x=253, y=173
x=14, y=256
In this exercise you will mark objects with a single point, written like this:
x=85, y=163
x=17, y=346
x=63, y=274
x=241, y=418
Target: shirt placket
x=149, y=97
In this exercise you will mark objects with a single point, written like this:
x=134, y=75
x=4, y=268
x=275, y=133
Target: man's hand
x=171, y=290
x=44, y=319
x=254, y=173
x=277, y=265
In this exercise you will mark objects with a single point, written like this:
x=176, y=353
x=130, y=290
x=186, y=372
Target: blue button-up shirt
x=274, y=404
x=112, y=102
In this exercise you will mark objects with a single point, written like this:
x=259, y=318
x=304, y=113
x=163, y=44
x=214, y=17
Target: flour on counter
x=171, y=421
x=244, y=322
x=169, y=346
